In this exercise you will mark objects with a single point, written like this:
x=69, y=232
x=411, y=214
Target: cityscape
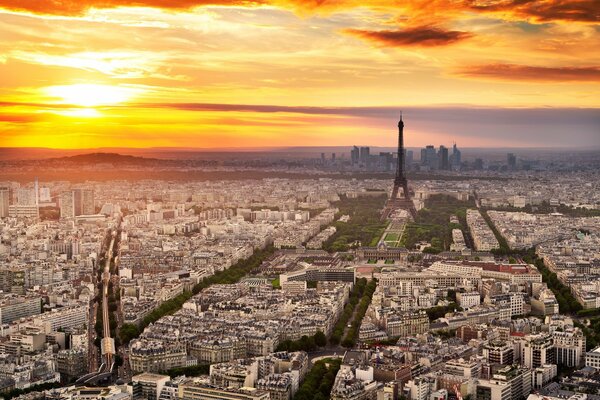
x=299, y=200
x=337, y=281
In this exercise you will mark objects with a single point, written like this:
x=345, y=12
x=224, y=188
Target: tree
x=320, y=339
x=128, y=332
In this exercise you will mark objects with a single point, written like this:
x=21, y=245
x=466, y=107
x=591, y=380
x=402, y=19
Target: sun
x=91, y=95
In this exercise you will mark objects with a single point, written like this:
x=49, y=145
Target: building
x=455, y=158
x=26, y=197
x=320, y=274
x=198, y=389
x=464, y=368
x=148, y=386
x=443, y=158
x=406, y=324
x=542, y=375
x=71, y=364
x=483, y=237
x=355, y=155
x=429, y=157
x=592, y=358
x=16, y=307
x=364, y=155
x=508, y=383
x=383, y=252
x=4, y=201
x=279, y=386
x=468, y=300
x=65, y=318
x=394, y=279
x=511, y=161
x=537, y=350
x=67, y=205
x=499, y=352
x=155, y=356
x=77, y=202
x=23, y=211
x=570, y=347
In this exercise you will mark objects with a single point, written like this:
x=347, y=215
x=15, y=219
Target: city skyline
x=214, y=74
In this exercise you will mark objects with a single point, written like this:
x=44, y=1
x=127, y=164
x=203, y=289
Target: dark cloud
x=447, y=113
x=543, y=10
x=538, y=10
x=415, y=36
x=532, y=73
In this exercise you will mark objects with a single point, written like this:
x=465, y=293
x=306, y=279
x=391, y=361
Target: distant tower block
x=400, y=198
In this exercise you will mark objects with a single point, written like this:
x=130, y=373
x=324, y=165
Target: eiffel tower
x=400, y=198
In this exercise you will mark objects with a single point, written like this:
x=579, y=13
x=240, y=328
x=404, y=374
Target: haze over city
x=229, y=74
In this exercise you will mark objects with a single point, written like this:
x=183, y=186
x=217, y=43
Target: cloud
x=543, y=10
x=516, y=72
x=462, y=114
x=427, y=36
x=538, y=10
x=80, y=7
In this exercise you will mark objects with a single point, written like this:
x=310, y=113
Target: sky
x=246, y=73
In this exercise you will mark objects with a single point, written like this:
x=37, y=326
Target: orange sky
x=189, y=73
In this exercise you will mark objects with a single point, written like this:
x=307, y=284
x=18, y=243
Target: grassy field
x=433, y=223
x=364, y=227
x=391, y=237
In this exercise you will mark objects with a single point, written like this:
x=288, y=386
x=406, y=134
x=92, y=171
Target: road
x=108, y=341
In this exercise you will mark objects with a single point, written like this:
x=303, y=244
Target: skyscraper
x=511, y=161
x=456, y=156
x=408, y=158
x=26, y=197
x=67, y=204
x=354, y=155
x=4, y=201
x=429, y=157
x=84, y=202
x=443, y=158
x=77, y=202
x=365, y=153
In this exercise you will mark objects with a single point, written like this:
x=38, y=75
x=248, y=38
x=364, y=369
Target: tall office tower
x=385, y=161
x=76, y=202
x=511, y=161
x=26, y=197
x=332, y=157
x=443, y=158
x=36, y=188
x=478, y=164
x=365, y=154
x=456, y=156
x=83, y=202
x=67, y=204
x=429, y=157
x=45, y=195
x=354, y=155
x=4, y=201
x=408, y=158
x=323, y=158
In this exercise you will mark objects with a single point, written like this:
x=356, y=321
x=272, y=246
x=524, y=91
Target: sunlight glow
x=81, y=112
x=91, y=95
